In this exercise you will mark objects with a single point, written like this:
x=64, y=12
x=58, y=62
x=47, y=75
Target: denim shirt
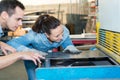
x=39, y=41
x=1, y=31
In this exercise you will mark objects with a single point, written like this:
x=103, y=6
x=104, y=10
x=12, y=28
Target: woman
x=47, y=33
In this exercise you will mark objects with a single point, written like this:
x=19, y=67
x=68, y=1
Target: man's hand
x=36, y=51
x=35, y=57
x=11, y=58
x=5, y=48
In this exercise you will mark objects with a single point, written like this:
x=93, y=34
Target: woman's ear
x=4, y=15
x=47, y=35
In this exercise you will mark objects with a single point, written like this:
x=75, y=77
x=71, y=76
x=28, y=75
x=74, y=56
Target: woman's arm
x=5, y=48
x=67, y=42
x=66, y=38
x=22, y=41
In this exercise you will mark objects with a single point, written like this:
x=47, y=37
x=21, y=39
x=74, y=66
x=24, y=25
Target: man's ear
x=4, y=15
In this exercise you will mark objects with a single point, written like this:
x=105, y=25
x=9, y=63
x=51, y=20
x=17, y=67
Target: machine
x=103, y=63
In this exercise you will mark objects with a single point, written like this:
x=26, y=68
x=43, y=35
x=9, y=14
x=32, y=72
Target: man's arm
x=12, y=58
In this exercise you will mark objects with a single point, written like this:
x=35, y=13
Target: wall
x=109, y=14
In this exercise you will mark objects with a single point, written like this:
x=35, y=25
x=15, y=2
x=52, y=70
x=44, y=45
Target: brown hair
x=44, y=23
x=10, y=5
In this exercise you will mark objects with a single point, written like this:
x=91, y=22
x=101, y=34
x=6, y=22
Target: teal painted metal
x=79, y=73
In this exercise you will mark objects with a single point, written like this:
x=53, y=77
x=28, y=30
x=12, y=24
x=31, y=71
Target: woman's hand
x=72, y=50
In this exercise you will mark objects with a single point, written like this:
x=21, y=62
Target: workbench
x=90, y=65
x=84, y=38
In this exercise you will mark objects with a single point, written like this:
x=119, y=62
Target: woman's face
x=56, y=34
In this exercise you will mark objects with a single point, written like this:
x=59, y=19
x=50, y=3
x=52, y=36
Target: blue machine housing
x=79, y=73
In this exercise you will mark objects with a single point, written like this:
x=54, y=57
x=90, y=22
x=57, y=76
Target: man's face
x=15, y=20
x=56, y=34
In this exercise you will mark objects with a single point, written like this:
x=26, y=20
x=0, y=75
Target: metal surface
x=86, y=58
x=84, y=54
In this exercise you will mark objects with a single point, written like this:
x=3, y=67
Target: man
x=11, y=14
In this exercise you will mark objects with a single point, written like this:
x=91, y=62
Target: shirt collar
x=1, y=31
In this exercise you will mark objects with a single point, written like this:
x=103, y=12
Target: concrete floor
x=14, y=72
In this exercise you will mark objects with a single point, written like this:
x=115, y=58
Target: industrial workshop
x=83, y=42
